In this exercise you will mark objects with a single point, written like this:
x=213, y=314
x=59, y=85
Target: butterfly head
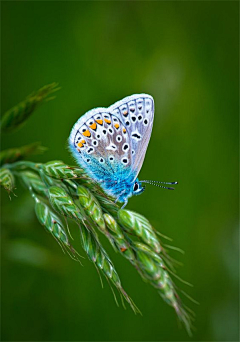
x=137, y=188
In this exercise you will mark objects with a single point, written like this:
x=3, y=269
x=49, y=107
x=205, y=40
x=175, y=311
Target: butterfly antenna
x=156, y=183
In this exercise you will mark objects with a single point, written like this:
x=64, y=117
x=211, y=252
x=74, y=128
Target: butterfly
x=110, y=145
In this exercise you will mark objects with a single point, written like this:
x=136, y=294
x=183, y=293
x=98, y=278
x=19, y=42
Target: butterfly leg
x=121, y=193
x=125, y=203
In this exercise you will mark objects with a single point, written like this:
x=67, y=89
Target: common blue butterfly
x=110, y=144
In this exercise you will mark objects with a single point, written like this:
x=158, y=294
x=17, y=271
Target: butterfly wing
x=136, y=113
x=100, y=143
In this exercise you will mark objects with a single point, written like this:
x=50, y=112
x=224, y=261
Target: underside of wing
x=136, y=112
x=101, y=145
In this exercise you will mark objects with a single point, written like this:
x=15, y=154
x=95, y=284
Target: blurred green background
x=185, y=54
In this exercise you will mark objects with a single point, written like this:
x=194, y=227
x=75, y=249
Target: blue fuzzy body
x=116, y=181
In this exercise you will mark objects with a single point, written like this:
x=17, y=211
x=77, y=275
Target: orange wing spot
x=107, y=121
x=123, y=249
x=93, y=126
x=86, y=133
x=125, y=112
x=81, y=143
x=100, y=122
x=116, y=125
x=124, y=130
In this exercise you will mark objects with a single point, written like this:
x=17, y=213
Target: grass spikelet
x=91, y=206
x=107, y=204
x=33, y=182
x=119, y=240
x=16, y=116
x=140, y=226
x=156, y=273
x=12, y=155
x=99, y=257
x=7, y=179
x=57, y=169
x=51, y=221
x=63, y=203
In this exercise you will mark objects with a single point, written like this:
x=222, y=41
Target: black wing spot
x=134, y=118
x=145, y=122
x=91, y=149
x=88, y=160
x=139, y=117
x=125, y=147
x=137, y=136
x=124, y=160
x=104, y=131
x=132, y=110
x=127, y=123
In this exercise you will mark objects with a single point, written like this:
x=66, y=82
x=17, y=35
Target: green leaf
x=16, y=116
x=19, y=153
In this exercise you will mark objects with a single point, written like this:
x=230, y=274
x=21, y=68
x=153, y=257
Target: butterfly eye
x=135, y=187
